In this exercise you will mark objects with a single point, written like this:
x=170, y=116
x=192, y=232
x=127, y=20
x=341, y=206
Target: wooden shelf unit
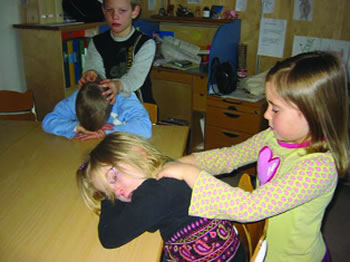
x=43, y=62
x=189, y=20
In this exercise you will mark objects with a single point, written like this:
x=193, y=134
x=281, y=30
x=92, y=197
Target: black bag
x=86, y=11
x=223, y=75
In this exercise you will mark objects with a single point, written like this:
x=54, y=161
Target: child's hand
x=99, y=134
x=180, y=171
x=88, y=76
x=114, y=87
x=84, y=134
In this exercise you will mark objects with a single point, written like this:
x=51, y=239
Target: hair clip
x=82, y=166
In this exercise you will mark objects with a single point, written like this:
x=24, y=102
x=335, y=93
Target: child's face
x=286, y=121
x=119, y=16
x=123, y=181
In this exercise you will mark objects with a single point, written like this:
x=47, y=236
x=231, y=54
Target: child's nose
x=120, y=191
x=267, y=114
x=115, y=15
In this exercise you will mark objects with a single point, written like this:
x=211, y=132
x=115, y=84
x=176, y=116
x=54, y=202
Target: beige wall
x=331, y=19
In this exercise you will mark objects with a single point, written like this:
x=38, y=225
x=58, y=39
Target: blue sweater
x=128, y=115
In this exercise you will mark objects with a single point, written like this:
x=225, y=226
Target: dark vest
x=118, y=58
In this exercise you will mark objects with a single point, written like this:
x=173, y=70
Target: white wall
x=11, y=63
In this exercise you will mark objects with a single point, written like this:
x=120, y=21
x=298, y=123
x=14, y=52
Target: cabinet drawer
x=216, y=137
x=230, y=119
x=172, y=76
x=236, y=105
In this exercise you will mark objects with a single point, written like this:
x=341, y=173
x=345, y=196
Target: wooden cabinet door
x=200, y=93
x=174, y=98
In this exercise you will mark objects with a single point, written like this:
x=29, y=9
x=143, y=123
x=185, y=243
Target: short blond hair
x=133, y=3
x=116, y=148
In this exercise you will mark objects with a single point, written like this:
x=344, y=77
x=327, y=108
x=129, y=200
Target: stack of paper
x=174, y=49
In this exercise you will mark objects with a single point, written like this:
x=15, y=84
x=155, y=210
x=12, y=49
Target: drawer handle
x=230, y=135
x=232, y=108
x=230, y=102
x=231, y=115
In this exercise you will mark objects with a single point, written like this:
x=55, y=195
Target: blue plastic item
x=225, y=46
x=146, y=27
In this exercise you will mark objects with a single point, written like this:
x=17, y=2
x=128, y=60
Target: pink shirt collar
x=286, y=145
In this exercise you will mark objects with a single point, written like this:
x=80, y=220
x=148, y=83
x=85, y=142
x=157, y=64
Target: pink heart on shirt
x=267, y=166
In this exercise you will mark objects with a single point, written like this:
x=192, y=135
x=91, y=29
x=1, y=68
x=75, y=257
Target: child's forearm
x=189, y=159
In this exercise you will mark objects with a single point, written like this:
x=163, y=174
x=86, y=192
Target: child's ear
x=112, y=176
x=136, y=11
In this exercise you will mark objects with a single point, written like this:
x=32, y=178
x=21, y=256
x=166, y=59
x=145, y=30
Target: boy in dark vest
x=122, y=56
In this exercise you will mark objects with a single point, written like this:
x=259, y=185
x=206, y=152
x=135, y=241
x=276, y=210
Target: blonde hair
x=316, y=83
x=116, y=148
x=133, y=3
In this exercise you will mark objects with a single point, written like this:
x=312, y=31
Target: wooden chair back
x=16, y=105
x=252, y=234
x=152, y=110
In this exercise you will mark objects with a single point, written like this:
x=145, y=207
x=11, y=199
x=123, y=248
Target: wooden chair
x=16, y=106
x=252, y=235
x=152, y=111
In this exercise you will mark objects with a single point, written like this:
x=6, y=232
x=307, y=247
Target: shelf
x=60, y=27
x=189, y=20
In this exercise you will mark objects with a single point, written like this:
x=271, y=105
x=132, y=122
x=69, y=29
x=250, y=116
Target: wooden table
x=42, y=215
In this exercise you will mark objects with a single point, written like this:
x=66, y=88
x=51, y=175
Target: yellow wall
x=331, y=19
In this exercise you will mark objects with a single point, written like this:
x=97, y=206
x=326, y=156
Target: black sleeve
x=121, y=222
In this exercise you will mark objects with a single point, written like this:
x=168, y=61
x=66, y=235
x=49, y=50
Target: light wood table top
x=42, y=215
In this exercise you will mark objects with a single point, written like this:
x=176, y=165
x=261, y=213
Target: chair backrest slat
x=251, y=234
x=152, y=110
x=16, y=105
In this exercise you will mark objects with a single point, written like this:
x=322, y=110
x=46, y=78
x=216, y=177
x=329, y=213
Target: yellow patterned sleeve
x=227, y=159
x=310, y=177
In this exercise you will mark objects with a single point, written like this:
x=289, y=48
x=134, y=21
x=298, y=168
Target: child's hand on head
x=114, y=87
x=88, y=76
x=181, y=171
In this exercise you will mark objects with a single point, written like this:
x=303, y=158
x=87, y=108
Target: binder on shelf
x=59, y=17
x=50, y=10
x=73, y=34
x=43, y=11
x=71, y=63
x=77, y=62
x=82, y=53
x=66, y=63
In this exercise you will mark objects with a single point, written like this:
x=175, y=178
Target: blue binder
x=77, y=66
x=66, y=63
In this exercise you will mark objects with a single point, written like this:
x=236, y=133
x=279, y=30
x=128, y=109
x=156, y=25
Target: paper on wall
x=272, y=37
x=303, y=10
x=302, y=44
x=268, y=6
x=151, y=4
x=241, y=5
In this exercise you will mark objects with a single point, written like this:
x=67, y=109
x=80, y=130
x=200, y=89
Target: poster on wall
x=303, y=10
x=268, y=6
x=302, y=44
x=241, y=5
x=272, y=37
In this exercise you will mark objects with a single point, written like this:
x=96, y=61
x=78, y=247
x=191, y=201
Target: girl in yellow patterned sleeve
x=299, y=158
